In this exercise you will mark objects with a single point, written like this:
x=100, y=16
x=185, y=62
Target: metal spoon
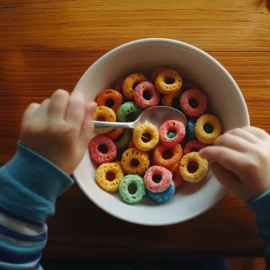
x=155, y=115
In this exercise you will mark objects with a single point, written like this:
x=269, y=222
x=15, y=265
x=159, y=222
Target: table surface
x=48, y=45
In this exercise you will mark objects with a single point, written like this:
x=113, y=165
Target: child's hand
x=59, y=128
x=240, y=159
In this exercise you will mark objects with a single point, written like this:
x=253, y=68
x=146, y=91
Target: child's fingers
x=58, y=104
x=233, y=142
x=260, y=133
x=42, y=111
x=75, y=109
x=30, y=111
x=228, y=179
x=243, y=133
x=87, y=125
x=228, y=158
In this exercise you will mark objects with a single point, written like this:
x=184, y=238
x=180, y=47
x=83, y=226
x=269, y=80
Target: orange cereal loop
x=168, y=81
x=177, y=177
x=110, y=98
x=156, y=72
x=109, y=176
x=145, y=136
x=103, y=113
x=130, y=83
x=115, y=133
x=131, y=144
x=167, y=157
x=135, y=161
x=194, y=162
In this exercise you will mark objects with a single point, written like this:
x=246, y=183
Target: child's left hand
x=59, y=128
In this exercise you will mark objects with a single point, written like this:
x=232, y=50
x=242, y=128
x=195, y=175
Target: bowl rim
x=210, y=58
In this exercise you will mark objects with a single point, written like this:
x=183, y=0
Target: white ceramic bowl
x=224, y=96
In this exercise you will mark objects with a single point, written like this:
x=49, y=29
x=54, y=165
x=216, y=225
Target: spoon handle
x=107, y=125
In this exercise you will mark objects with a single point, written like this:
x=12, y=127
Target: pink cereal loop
x=200, y=99
x=166, y=178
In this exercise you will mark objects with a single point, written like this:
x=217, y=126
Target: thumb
x=87, y=125
x=227, y=178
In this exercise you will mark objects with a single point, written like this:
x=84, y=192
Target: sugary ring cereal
x=193, y=146
x=146, y=95
x=157, y=178
x=163, y=196
x=168, y=81
x=145, y=136
x=130, y=83
x=201, y=134
x=109, y=176
x=193, y=102
x=122, y=140
x=110, y=98
x=135, y=161
x=125, y=189
x=156, y=72
x=102, y=149
x=199, y=173
x=115, y=133
x=166, y=156
x=128, y=112
x=176, y=176
x=190, y=128
x=103, y=113
x=171, y=133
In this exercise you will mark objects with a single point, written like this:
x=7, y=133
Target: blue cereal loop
x=163, y=196
x=190, y=129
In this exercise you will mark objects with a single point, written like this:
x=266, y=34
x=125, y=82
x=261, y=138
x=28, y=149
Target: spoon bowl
x=155, y=115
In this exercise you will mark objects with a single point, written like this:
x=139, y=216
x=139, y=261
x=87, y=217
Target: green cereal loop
x=132, y=179
x=128, y=112
x=123, y=139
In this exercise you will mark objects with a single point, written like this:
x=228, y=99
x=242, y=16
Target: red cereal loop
x=102, y=149
x=157, y=179
x=172, y=126
x=193, y=102
x=193, y=146
x=146, y=95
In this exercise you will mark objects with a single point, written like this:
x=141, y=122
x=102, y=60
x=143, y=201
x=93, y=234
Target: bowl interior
x=224, y=96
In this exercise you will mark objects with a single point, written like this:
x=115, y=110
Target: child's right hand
x=240, y=159
x=59, y=128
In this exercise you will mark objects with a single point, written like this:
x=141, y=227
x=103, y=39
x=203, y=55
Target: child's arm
x=240, y=159
x=54, y=137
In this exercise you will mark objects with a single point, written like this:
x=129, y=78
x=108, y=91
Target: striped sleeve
x=29, y=186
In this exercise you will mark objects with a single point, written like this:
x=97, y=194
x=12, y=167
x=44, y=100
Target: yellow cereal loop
x=168, y=81
x=156, y=72
x=145, y=136
x=208, y=128
x=130, y=83
x=103, y=113
x=199, y=173
x=135, y=161
x=109, y=176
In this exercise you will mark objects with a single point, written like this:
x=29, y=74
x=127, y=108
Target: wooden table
x=47, y=45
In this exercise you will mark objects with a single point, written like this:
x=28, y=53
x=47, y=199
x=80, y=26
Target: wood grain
x=48, y=45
